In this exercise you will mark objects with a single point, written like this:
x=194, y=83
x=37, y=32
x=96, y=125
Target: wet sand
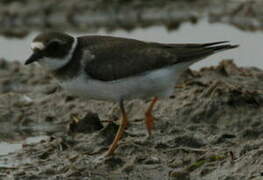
x=210, y=129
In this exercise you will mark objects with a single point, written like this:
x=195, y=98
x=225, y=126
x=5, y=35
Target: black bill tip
x=34, y=57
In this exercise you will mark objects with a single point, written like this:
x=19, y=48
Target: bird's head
x=52, y=50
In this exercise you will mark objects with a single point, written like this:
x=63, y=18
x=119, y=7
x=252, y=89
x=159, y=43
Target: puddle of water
x=12, y=139
x=7, y=147
x=248, y=54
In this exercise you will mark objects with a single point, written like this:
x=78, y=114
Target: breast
x=91, y=89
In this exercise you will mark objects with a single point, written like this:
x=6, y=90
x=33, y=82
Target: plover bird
x=117, y=69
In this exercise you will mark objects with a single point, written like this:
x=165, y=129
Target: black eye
x=54, y=49
x=53, y=45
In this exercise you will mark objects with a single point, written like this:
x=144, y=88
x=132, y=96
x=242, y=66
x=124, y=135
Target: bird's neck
x=72, y=67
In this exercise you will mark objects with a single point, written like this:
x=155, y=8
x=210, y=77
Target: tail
x=196, y=52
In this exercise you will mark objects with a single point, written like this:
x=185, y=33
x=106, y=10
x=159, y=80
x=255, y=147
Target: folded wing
x=117, y=58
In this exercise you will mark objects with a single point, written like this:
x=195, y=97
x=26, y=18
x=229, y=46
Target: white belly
x=159, y=83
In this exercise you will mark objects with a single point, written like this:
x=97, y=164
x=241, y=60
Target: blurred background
x=167, y=21
x=179, y=21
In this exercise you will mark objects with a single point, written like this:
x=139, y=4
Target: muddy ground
x=18, y=16
x=210, y=129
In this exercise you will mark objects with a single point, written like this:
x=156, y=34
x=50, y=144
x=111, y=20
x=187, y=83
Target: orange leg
x=149, y=117
x=123, y=125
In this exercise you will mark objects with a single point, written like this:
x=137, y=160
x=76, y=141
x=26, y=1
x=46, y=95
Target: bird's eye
x=53, y=45
x=36, y=50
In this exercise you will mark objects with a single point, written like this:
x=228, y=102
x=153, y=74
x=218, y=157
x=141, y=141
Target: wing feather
x=116, y=58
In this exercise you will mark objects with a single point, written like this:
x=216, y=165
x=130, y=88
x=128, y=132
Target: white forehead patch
x=37, y=45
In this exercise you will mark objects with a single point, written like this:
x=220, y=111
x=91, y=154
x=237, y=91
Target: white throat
x=57, y=63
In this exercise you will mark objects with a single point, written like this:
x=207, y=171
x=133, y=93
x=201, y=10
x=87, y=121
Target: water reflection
x=8, y=147
x=13, y=138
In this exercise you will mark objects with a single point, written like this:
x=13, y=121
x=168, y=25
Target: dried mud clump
x=210, y=129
